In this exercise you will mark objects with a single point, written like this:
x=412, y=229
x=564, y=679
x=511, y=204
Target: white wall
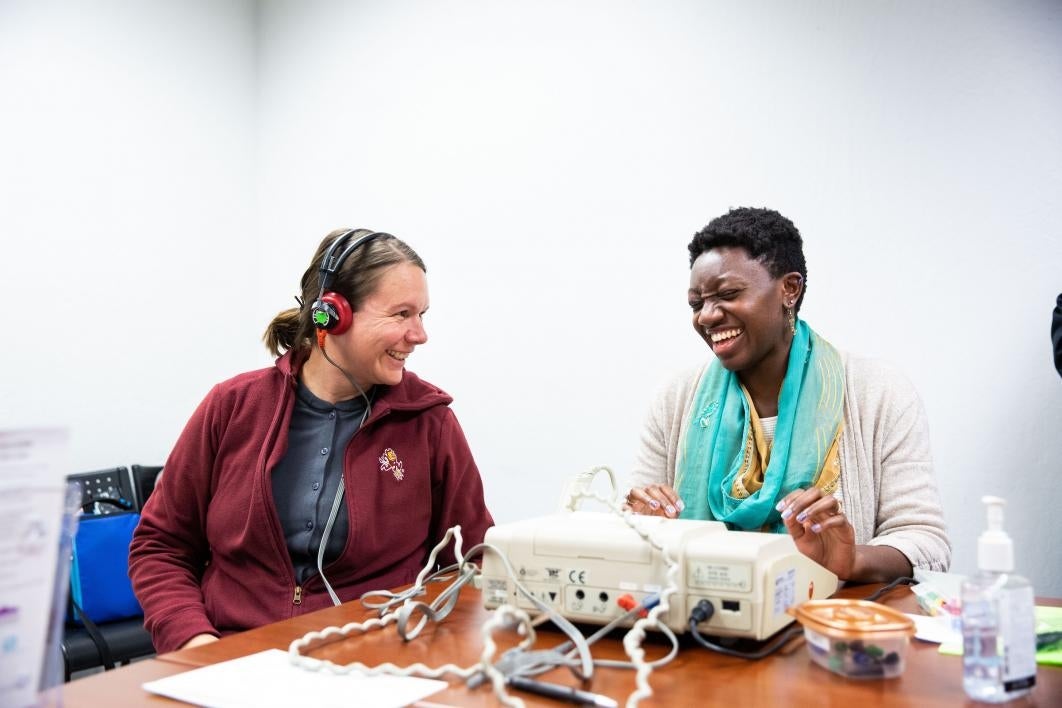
x=550, y=161
x=126, y=212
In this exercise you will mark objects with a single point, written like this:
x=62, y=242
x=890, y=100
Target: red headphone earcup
x=344, y=315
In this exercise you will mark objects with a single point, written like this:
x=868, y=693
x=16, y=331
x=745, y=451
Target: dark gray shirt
x=306, y=479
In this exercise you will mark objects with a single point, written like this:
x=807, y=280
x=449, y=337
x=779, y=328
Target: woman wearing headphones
x=331, y=473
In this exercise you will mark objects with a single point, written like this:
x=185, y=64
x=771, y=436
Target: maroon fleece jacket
x=209, y=555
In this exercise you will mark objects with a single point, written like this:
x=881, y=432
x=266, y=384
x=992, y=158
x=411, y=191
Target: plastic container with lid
x=855, y=638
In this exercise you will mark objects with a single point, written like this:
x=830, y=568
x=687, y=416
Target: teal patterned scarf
x=719, y=447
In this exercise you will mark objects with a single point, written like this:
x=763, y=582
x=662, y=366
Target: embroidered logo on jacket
x=389, y=462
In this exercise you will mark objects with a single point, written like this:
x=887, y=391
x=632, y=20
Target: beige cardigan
x=887, y=488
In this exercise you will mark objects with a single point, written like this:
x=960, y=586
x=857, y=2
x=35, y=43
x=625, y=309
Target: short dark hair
x=767, y=236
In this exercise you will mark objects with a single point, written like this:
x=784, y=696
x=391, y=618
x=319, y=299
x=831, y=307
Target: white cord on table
x=632, y=641
x=505, y=617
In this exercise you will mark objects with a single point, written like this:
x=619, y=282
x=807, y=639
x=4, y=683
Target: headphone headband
x=330, y=264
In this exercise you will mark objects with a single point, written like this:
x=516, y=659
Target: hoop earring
x=791, y=316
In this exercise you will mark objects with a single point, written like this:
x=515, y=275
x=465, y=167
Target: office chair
x=108, y=491
x=144, y=479
x=103, y=492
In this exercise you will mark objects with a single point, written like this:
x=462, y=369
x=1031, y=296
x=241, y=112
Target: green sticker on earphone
x=320, y=318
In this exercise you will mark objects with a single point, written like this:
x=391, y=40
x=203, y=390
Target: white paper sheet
x=32, y=484
x=940, y=629
x=268, y=679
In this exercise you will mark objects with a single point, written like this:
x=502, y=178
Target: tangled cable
x=411, y=616
x=632, y=641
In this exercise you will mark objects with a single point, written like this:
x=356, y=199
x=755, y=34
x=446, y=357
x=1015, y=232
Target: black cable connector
x=704, y=610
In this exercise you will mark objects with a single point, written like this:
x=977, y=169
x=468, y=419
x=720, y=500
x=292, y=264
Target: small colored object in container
x=855, y=638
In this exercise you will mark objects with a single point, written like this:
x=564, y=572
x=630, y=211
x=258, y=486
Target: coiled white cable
x=505, y=617
x=632, y=641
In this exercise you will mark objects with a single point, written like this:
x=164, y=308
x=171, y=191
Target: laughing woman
x=306, y=483
x=782, y=432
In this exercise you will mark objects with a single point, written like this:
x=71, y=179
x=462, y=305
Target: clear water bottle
x=998, y=620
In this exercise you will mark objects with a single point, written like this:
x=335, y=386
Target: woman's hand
x=199, y=640
x=821, y=531
x=655, y=500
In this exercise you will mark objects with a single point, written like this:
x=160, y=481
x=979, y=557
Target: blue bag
x=99, y=571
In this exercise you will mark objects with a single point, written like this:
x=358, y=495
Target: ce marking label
x=577, y=577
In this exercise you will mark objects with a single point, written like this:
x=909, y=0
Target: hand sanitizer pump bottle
x=998, y=619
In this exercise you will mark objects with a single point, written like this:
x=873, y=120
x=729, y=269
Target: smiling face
x=740, y=311
x=387, y=327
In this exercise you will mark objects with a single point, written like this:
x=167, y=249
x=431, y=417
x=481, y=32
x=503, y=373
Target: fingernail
x=780, y=505
x=802, y=516
x=787, y=513
x=670, y=510
x=816, y=527
x=654, y=504
x=681, y=505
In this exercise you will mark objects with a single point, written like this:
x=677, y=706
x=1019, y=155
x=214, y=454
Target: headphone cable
x=332, y=515
x=357, y=387
x=334, y=512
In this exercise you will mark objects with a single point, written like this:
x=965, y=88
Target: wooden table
x=696, y=676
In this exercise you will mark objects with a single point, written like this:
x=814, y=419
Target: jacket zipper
x=297, y=600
